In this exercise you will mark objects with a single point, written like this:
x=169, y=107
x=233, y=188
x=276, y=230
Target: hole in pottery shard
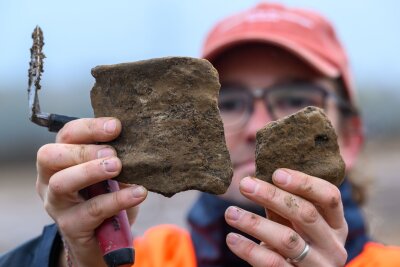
x=321, y=139
x=291, y=138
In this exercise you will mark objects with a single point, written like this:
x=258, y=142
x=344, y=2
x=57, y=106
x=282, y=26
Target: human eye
x=231, y=99
x=230, y=104
x=285, y=104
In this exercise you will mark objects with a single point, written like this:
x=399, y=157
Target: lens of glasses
x=284, y=100
x=236, y=102
x=233, y=105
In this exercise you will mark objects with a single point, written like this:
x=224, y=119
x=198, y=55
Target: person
x=272, y=61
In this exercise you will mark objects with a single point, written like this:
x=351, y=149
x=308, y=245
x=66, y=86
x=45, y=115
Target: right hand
x=301, y=210
x=70, y=165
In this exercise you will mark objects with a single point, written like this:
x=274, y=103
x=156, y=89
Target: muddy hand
x=305, y=224
x=72, y=164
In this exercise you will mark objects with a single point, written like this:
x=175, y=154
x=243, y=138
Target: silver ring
x=302, y=255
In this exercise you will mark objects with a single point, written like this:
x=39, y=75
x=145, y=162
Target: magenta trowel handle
x=114, y=234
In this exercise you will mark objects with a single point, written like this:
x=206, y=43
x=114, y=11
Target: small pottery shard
x=172, y=135
x=304, y=141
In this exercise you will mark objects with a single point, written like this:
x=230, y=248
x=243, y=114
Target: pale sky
x=82, y=34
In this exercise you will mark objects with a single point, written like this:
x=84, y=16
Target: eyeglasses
x=236, y=102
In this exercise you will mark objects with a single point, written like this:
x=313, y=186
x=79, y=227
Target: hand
x=301, y=209
x=70, y=165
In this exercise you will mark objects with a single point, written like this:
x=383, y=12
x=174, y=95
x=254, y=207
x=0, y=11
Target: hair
x=348, y=114
x=347, y=107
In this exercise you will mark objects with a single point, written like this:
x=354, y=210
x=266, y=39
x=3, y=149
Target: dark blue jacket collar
x=39, y=252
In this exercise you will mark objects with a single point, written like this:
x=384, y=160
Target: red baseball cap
x=304, y=33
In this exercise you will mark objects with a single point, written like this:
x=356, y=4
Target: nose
x=259, y=118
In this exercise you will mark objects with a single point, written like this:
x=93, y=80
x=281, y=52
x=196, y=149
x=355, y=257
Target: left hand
x=300, y=209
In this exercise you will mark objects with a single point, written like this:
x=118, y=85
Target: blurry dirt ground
x=22, y=216
x=380, y=167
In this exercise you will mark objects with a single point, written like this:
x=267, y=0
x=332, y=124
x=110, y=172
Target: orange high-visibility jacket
x=170, y=246
x=164, y=246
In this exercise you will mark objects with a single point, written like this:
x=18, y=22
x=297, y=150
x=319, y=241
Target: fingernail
x=105, y=152
x=110, y=165
x=281, y=177
x=110, y=126
x=232, y=239
x=233, y=213
x=138, y=191
x=248, y=185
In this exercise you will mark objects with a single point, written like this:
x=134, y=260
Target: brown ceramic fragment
x=304, y=141
x=172, y=135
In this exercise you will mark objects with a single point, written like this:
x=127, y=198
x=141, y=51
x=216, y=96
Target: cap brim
x=312, y=58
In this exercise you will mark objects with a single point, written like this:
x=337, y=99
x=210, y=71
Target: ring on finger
x=302, y=255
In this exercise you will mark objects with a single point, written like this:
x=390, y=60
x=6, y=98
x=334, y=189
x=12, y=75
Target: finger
x=302, y=214
x=273, y=216
x=320, y=192
x=86, y=131
x=132, y=212
x=94, y=211
x=283, y=239
x=70, y=181
x=52, y=158
x=254, y=254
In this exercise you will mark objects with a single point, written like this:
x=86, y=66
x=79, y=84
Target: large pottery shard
x=304, y=141
x=172, y=135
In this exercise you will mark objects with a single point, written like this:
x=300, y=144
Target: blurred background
x=82, y=34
